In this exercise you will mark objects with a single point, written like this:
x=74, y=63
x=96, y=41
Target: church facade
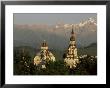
x=43, y=56
x=70, y=56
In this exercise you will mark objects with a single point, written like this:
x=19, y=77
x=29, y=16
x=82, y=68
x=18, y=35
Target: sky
x=51, y=18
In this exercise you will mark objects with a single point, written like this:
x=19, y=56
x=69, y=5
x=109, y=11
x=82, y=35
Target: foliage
x=23, y=65
x=87, y=66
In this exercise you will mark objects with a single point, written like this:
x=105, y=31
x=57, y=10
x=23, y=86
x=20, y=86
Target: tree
x=22, y=60
x=87, y=66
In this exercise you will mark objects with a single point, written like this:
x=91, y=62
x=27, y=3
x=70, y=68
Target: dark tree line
x=23, y=65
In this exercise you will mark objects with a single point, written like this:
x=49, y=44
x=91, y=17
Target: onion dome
x=72, y=38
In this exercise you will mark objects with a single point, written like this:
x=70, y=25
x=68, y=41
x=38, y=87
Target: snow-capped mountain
x=90, y=24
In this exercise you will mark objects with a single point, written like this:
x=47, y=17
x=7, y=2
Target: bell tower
x=71, y=57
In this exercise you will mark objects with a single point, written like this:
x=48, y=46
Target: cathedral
x=43, y=56
x=70, y=56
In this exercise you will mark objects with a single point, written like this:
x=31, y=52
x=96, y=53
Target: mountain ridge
x=57, y=36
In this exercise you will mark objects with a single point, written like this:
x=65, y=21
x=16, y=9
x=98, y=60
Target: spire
x=72, y=30
x=72, y=38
